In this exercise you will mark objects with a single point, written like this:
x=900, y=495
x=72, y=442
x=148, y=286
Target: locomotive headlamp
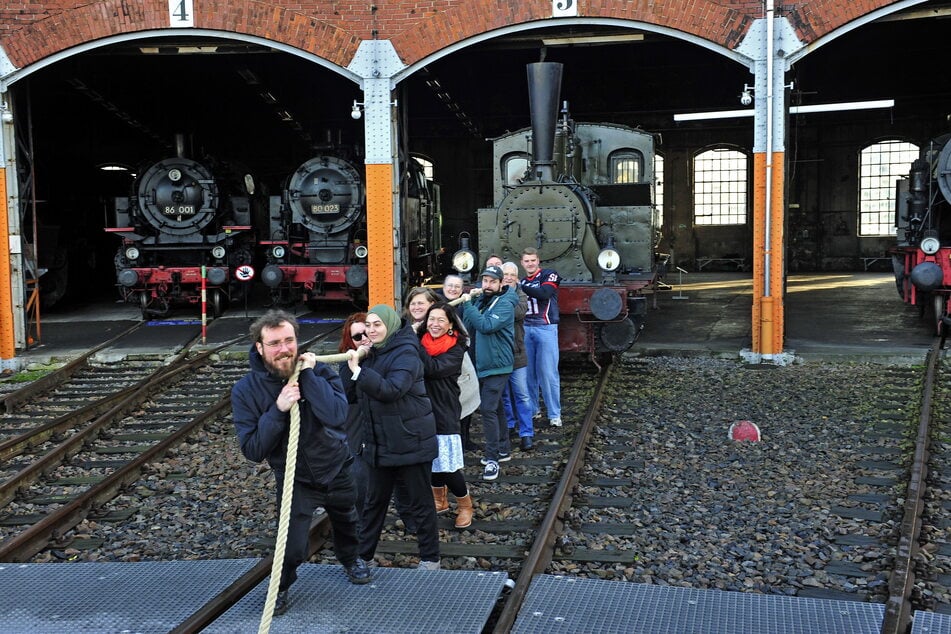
x=218, y=252
x=132, y=253
x=930, y=245
x=609, y=259
x=277, y=252
x=463, y=261
x=361, y=251
x=175, y=175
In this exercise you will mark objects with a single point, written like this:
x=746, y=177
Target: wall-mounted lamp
x=746, y=97
x=357, y=111
x=5, y=114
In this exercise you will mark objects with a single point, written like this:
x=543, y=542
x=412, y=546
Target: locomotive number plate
x=179, y=210
x=325, y=209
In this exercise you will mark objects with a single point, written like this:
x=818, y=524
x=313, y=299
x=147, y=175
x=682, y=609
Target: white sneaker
x=428, y=565
x=491, y=471
x=555, y=422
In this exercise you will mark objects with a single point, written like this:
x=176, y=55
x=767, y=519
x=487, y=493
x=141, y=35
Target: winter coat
x=492, y=321
x=354, y=425
x=263, y=429
x=399, y=427
x=518, y=345
x=442, y=385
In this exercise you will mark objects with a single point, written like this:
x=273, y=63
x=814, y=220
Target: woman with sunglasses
x=353, y=337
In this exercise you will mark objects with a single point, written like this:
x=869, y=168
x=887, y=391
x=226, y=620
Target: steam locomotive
x=316, y=249
x=183, y=228
x=921, y=256
x=582, y=194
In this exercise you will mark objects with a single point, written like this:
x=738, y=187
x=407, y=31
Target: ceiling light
x=822, y=107
x=592, y=39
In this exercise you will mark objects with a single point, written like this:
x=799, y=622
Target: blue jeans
x=493, y=416
x=518, y=402
x=541, y=347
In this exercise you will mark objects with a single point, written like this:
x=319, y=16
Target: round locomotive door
x=178, y=196
x=549, y=217
x=325, y=194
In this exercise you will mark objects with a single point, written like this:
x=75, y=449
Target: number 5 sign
x=181, y=13
x=564, y=8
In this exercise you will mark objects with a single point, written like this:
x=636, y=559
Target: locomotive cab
x=582, y=195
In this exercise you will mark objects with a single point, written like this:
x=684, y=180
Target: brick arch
x=706, y=19
x=97, y=20
x=813, y=19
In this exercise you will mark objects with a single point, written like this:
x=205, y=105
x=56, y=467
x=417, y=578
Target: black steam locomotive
x=582, y=194
x=922, y=254
x=184, y=230
x=316, y=249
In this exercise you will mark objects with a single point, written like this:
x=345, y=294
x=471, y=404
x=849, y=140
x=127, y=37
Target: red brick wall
x=32, y=30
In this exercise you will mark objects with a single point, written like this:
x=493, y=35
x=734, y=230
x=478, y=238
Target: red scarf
x=436, y=347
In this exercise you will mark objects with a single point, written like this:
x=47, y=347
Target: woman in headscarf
x=443, y=349
x=399, y=439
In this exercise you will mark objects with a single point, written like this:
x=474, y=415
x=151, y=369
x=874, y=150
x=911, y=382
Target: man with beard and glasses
x=490, y=319
x=261, y=404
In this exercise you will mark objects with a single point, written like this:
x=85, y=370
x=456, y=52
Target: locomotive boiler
x=921, y=256
x=183, y=228
x=582, y=195
x=316, y=249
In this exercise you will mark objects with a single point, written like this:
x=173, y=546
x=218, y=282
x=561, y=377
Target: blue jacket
x=263, y=429
x=399, y=427
x=491, y=320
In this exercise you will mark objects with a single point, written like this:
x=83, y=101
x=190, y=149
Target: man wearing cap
x=490, y=318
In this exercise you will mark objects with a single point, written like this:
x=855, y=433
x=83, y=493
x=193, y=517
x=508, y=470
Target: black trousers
x=418, y=499
x=338, y=499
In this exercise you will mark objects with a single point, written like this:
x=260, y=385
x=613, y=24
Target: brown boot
x=464, y=517
x=441, y=497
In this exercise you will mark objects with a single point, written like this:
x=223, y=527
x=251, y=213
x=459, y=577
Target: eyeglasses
x=290, y=341
x=358, y=336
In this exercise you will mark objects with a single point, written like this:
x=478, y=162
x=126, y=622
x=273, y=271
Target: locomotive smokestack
x=544, y=88
x=179, y=145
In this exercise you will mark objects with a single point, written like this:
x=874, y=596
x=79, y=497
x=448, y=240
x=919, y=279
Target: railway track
x=642, y=485
x=60, y=470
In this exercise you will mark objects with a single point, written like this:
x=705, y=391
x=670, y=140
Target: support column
x=12, y=330
x=376, y=62
x=768, y=44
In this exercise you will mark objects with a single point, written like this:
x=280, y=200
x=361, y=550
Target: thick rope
x=277, y=565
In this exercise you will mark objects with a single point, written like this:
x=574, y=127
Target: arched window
x=428, y=168
x=880, y=165
x=720, y=187
x=627, y=166
x=659, y=188
x=514, y=167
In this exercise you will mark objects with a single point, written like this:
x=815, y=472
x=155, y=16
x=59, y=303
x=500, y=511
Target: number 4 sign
x=181, y=13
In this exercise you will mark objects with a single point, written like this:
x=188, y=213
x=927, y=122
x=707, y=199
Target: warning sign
x=244, y=273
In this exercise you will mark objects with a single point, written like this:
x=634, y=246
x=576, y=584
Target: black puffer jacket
x=399, y=428
x=442, y=385
x=263, y=429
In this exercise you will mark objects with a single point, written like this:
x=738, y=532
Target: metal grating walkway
x=559, y=604
x=930, y=623
x=109, y=597
x=155, y=597
x=397, y=600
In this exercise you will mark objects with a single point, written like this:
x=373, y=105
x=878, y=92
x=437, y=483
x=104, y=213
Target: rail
x=543, y=549
x=898, y=609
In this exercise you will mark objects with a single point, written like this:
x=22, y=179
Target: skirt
x=451, y=456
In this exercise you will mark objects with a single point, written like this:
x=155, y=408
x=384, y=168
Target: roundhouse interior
x=270, y=111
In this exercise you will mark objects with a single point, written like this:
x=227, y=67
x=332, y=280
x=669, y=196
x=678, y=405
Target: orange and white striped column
x=376, y=62
x=769, y=159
